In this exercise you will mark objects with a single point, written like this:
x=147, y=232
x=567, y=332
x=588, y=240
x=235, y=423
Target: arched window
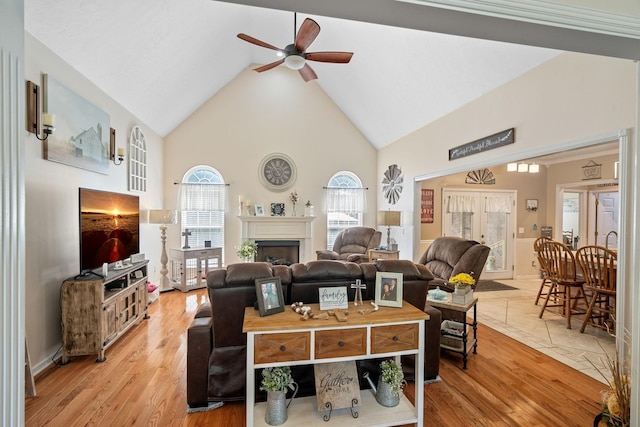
x=202, y=203
x=346, y=203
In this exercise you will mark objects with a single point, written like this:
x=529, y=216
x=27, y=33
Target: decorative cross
x=186, y=233
x=358, y=286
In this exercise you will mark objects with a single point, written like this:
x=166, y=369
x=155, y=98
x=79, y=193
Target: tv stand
x=98, y=310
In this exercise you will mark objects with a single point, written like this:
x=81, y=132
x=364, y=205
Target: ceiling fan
x=296, y=55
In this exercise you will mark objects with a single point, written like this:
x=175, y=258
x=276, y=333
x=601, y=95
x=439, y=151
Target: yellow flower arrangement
x=462, y=279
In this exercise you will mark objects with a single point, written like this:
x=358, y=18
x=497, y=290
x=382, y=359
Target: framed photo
x=389, y=289
x=259, y=209
x=269, y=293
x=277, y=209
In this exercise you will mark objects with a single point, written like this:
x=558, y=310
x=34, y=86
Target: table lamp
x=163, y=217
x=389, y=219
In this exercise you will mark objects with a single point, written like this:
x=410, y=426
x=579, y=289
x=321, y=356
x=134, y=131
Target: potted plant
x=463, y=282
x=390, y=383
x=247, y=250
x=276, y=382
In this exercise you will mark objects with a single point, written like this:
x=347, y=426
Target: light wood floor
x=143, y=383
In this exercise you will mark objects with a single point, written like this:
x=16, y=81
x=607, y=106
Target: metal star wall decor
x=392, y=184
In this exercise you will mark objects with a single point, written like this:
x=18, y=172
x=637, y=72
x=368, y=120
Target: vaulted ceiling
x=162, y=59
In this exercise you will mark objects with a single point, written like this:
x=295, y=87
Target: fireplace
x=278, y=252
x=281, y=228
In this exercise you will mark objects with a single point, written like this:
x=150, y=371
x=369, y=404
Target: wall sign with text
x=483, y=144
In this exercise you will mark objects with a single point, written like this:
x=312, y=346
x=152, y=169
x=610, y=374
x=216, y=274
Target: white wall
x=258, y=114
x=52, y=228
x=569, y=98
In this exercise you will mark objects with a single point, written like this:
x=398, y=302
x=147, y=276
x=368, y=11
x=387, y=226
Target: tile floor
x=513, y=313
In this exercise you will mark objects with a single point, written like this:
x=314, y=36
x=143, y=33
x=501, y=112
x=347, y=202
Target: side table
x=459, y=341
x=383, y=254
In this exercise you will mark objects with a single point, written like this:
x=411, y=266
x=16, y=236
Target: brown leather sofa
x=448, y=256
x=352, y=244
x=216, y=346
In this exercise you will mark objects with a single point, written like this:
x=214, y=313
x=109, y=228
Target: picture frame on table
x=269, y=295
x=388, y=289
x=259, y=210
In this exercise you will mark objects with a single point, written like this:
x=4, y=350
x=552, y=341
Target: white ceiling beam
x=463, y=23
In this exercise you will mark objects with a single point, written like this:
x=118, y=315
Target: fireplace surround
x=281, y=228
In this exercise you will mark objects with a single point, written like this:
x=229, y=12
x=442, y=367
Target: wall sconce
x=112, y=148
x=34, y=115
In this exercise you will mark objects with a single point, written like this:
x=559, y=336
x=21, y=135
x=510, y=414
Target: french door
x=487, y=217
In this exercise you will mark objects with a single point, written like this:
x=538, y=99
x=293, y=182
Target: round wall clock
x=277, y=172
x=392, y=184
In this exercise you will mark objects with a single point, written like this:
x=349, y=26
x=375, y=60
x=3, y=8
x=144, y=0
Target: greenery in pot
x=391, y=373
x=277, y=379
x=247, y=250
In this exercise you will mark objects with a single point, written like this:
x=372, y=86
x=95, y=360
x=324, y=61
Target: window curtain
x=499, y=204
x=346, y=200
x=202, y=197
x=461, y=203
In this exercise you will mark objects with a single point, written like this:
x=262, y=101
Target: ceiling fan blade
x=307, y=73
x=257, y=42
x=269, y=66
x=336, y=57
x=308, y=32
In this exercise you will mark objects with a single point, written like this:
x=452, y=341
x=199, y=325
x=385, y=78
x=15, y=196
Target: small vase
x=277, y=405
x=293, y=212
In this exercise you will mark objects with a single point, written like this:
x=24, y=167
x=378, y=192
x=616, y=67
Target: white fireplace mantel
x=280, y=228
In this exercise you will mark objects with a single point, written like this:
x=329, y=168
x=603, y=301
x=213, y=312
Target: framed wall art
x=259, y=209
x=82, y=136
x=426, y=206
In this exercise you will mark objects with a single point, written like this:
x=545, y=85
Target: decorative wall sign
x=591, y=170
x=392, y=184
x=337, y=385
x=426, y=206
x=334, y=297
x=483, y=144
x=82, y=134
x=480, y=176
x=277, y=172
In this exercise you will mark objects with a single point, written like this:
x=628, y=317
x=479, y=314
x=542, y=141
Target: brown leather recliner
x=448, y=256
x=216, y=345
x=352, y=244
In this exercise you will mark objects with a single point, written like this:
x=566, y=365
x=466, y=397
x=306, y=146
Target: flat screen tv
x=109, y=227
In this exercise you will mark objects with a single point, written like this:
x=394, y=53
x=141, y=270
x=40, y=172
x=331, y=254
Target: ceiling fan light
x=279, y=54
x=295, y=62
x=534, y=168
x=523, y=167
x=512, y=167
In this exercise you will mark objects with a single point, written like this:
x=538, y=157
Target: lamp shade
x=523, y=167
x=534, y=168
x=389, y=218
x=162, y=216
x=512, y=167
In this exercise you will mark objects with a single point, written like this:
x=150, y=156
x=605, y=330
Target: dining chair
x=566, y=285
x=546, y=283
x=599, y=268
